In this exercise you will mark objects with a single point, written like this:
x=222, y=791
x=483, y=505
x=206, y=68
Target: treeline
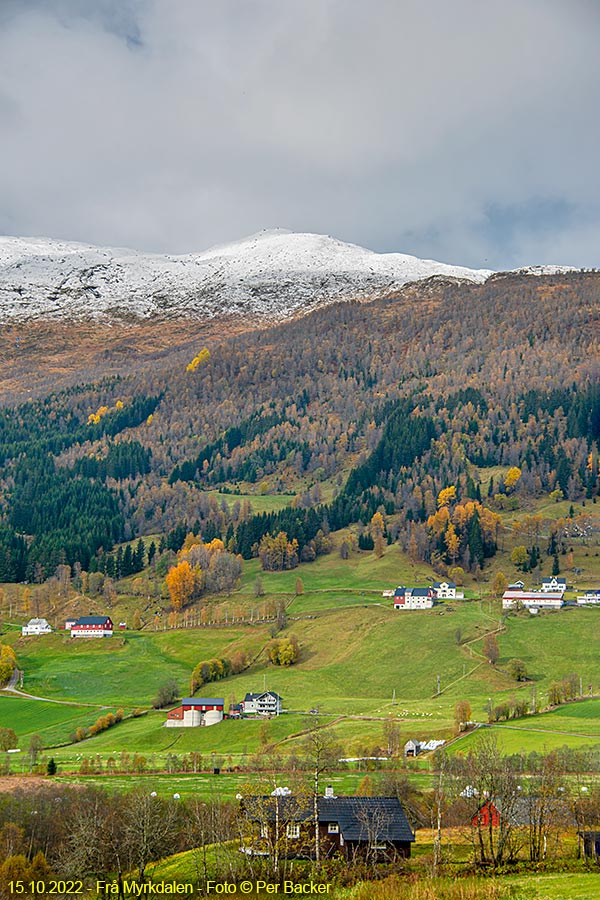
x=51, y=425
x=412, y=394
x=207, y=671
x=125, y=833
x=102, y=723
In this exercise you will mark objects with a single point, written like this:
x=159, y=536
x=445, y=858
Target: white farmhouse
x=414, y=598
x=267, y=703
x=36, y=626
x=446, y=590
x=554, y=585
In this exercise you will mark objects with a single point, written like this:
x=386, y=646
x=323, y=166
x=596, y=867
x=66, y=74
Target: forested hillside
x=354, y=409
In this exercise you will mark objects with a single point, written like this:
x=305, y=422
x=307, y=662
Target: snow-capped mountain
x=268, y=276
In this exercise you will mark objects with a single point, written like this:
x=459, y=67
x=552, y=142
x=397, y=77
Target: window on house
x=293, y=831
x=333, y=828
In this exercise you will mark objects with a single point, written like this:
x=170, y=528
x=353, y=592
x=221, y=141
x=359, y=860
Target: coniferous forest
x=352, y=409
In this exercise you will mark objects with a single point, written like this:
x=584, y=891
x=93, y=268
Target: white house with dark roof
x=446, y=590
x=554, y=584
x=266, y=703
x=414, y=598
x=590, y=598
x=36, y=626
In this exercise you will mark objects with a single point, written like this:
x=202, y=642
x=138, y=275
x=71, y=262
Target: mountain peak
x=267, y=276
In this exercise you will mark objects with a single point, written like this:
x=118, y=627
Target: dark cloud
x=464, y=131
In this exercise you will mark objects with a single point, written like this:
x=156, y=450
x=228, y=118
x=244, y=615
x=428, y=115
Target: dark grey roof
x=359, y=818
x=420, y=592
x=367, y=818
x=91, y=620
x=438, y=584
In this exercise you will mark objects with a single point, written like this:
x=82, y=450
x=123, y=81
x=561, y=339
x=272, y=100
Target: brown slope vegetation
x=42, y=356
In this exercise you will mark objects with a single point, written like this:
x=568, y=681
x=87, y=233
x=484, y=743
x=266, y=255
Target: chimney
x=329, y=795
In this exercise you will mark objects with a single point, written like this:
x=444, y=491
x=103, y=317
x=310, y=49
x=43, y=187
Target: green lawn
x=556, y=886
x=208, y=786
x=54, y=722
x=124, y=670
x=259, y=502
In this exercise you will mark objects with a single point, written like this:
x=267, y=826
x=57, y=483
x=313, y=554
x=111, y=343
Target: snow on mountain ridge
x=267, y=276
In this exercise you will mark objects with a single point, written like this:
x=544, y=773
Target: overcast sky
x=464, y=131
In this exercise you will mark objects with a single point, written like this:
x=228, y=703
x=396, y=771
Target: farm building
x=351, y=826
x=267, y=703
x=92, y=626
x=195, y=712
x=528, y=599
x=446, y=590
x=413, y=598
x=519, y=811
x=554, y=585
x=412, y=748
x=36, y=626
x=590, y=598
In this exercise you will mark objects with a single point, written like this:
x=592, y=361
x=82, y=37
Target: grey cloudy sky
x=465, y=131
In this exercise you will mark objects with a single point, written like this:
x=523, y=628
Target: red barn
x=92, y=626
x=483, y=815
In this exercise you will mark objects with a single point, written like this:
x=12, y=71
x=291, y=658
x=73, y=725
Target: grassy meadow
x=360, y=661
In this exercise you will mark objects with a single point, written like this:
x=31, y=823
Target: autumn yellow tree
x=183, y=582
x=452, y=542
x=8, y=663
x=203, y=356
x=499, y=584
x=446, y=496
x=462, y=714
x=512, y=477
x=377, y=532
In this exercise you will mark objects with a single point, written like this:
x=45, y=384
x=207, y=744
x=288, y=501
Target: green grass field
x=360, y=660
x=259, y=502
x=354, y=659
x=54, y=722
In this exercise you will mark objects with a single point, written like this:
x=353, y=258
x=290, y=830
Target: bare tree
x=321, y=751
x=495, y=840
